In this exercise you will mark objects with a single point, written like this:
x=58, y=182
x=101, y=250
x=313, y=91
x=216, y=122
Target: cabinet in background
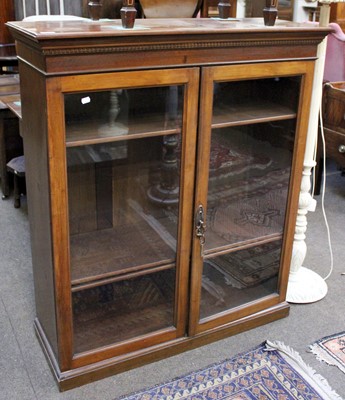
x=254, y=8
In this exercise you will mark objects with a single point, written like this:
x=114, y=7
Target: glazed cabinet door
x=125, y=160
x=250, y=154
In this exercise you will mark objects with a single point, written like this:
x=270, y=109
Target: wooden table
x=8, y=57
x=13, y=103
x=11, y=144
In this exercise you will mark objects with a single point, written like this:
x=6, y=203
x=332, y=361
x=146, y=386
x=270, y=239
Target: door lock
x=200, y=228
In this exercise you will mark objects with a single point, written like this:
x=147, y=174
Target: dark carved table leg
x=128, y=14
x=224, y=9
x=166, y=192
x=95, y=9
x=270, y=12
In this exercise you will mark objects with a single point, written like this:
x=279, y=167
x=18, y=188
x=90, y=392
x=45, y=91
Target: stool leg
x=16, y=192
x=5, y=185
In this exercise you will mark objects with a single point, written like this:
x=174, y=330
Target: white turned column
x=305, y=286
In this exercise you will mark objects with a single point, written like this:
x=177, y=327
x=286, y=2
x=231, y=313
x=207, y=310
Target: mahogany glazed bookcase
x=163, y=169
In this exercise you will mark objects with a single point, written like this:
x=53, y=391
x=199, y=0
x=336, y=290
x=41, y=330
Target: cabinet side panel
x=36, y=163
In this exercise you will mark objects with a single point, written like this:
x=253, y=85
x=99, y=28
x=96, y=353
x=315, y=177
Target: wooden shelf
x=82, y=134
x=128, y=251
x=105, y=330
x=245, y=244
x=250, y=113
x=123, y=250
x=14, y=104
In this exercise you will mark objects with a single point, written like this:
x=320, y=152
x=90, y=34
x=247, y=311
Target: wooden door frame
x=234, y=73
x=56, y=88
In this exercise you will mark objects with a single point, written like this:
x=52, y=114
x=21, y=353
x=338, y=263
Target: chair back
x=335, y=55
x=170, y=9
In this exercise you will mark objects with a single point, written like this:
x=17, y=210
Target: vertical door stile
x=202, y=165
x=59, y=216
x=189, y=136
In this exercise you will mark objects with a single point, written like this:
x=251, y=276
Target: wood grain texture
x=82, y=57
x=338, y=14
x=6, y=14
x=83, y=375
x=35, y=143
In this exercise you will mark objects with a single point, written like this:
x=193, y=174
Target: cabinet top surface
x=43, y=30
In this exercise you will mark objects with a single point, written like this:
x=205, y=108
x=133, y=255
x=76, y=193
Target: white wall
x=300, y=13
x=26, y=8
x=241, y=8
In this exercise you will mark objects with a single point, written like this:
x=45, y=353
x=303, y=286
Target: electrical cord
x=323, y=190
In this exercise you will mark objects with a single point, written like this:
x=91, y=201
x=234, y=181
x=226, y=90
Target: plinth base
x=305, y=286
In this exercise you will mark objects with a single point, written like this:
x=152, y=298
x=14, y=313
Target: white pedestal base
x=305, y=286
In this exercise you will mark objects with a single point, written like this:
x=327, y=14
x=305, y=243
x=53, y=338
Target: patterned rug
x=249, y=267
x=270, y=371
x=331, y=349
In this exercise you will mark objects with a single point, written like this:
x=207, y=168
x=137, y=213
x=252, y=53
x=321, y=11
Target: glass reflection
x=123, y=205
x=249, y=175
x=123, y=171
x=123, y=310
x=252, y=144
x=103, y=116
x=123, y=167
x=232, y=279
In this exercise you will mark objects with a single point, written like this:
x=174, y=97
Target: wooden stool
x=17, y=167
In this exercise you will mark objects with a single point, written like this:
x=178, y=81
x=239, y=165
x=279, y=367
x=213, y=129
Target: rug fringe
x=322, y=355
x=307, y=371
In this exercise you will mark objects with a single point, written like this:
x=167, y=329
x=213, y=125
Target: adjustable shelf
x=83, y=134
x=121, y=250
x=250, y=113
x=242, y=245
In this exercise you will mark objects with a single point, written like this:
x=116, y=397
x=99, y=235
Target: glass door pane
x=251, y=152
x=123, y=310
x=123, y=167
